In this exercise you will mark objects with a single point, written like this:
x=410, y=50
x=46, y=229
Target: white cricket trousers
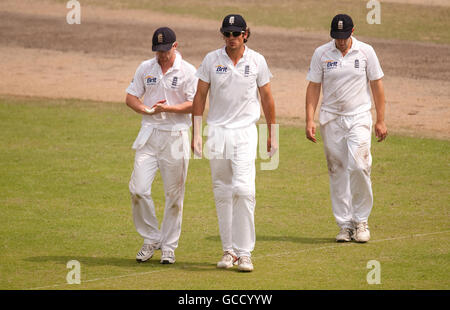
x=169, y=152
x=347, y=141
x=232, y=154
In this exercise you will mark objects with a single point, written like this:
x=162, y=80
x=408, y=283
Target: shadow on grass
x=123, y=262
x=303, y=240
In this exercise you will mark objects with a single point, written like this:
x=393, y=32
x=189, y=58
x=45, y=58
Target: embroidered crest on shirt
x=174, y=81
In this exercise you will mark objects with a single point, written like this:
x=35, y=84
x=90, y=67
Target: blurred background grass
x=398, y=20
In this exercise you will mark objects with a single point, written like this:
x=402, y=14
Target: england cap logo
x=341, y=26
x=233, y=22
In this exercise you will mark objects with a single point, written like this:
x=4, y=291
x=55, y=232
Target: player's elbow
x=128, y=100
x=313, y=86
x=198, y=105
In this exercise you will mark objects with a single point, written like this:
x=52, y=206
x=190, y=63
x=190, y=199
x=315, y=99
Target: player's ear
x=246, y=34
x=175, y=45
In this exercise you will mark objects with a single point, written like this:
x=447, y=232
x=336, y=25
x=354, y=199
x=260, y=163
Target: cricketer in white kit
x=347, y=69
x=233, y=75
x=168, y=84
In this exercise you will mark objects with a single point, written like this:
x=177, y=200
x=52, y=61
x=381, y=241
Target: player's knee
x=360, y=165
x=140, y=192
x=222, y=191
x=360, y=168
x=176, y=207
x=334, y=164
x=243, y=190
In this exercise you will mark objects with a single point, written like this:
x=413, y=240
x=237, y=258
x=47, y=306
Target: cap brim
x=162, y=47
x=231, y=29
x=340, y=34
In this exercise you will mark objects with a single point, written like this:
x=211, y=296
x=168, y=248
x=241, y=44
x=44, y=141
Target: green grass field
x=65, y=167
x=398, y=21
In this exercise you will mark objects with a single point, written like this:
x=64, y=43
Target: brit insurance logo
x=150, y=80
x=331, y=64
x=221, y=69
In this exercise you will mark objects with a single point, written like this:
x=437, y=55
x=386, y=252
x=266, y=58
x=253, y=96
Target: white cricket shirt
x=177, y=85
x=233, y=93
x=345, y=79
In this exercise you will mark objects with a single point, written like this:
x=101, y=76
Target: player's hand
x=272, y=145
x=380, y=131
x=160, y=106
x=196, y=145
x=310, y=131
x=156, y=108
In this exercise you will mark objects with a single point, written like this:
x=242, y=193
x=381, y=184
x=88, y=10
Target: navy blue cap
x=341, y=26
x=163, y=39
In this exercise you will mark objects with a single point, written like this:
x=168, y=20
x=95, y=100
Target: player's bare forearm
x=380, y=104
x=378, y=97
x=268, y=104
x=182, y=108
x=312, y=100
x=198, y=107
x=134, y=103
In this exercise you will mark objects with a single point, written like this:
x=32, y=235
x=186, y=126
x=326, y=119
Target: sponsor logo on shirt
x=221, y=69
x=247, y=70
x=150, y=80
x=331, y=64
x=356, y=63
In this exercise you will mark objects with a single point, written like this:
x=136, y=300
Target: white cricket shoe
x=228, y=260
x=245, y=264
x=362, y=232
x=167, y=257
x=345, y=235
x=146, y=252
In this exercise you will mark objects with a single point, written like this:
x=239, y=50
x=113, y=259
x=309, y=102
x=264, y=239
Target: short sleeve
x=190, y=86
x=136, y=87
x=203, y=71
x=374, y=71
x=315, y=72
x=264, y=74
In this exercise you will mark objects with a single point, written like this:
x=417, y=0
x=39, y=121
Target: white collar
x=355, y=45
x=224, y=52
